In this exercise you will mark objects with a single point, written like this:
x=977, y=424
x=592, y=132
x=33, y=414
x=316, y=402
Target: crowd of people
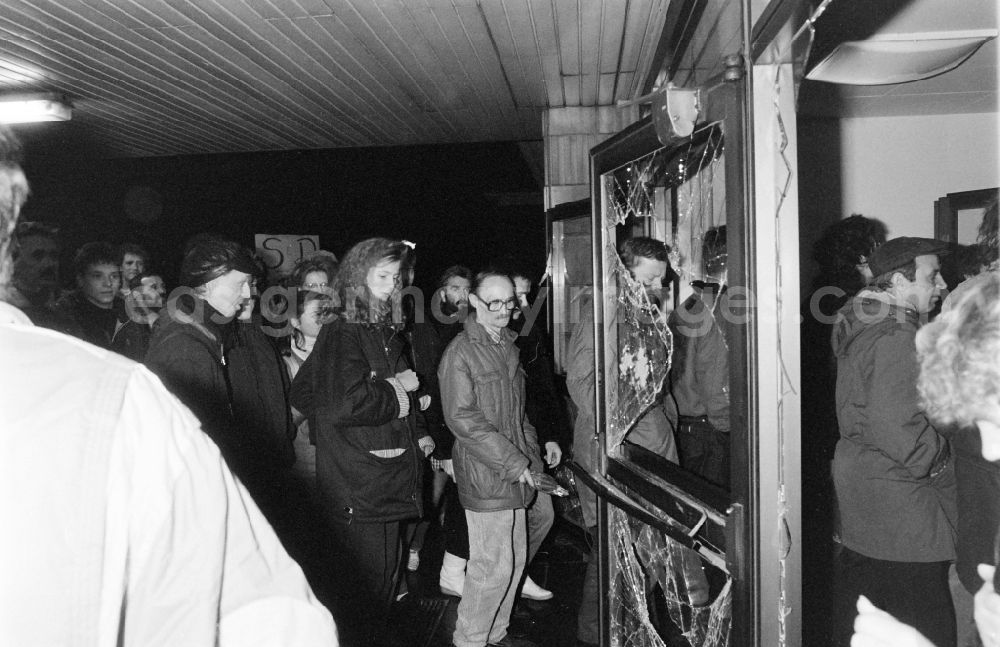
x=910, y=493
x=329, y=399
x=336, y=415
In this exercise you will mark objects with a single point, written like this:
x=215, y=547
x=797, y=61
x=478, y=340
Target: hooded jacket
x=482, y=393
x=892, y=471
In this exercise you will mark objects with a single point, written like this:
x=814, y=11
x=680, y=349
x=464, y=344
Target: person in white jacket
x=122, y=524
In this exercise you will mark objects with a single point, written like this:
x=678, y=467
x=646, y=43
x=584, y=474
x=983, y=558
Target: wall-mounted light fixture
x=898, y=58
x=27, y=108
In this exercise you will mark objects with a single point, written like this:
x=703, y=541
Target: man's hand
x=873, y=627
x=449, y=468
x=552, y=453
x=525, y=477
x=986, y=608
x=426, y=443
x=409, y=380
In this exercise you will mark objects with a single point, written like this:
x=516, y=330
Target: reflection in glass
x=572, y=274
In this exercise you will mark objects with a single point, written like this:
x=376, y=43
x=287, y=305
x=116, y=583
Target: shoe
x=413, y=563
x=510, y=641
x=532, y=591
x=452, y=579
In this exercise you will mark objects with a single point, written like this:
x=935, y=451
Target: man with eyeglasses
x=495, y=453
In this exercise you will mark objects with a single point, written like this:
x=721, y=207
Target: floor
x=426, y=618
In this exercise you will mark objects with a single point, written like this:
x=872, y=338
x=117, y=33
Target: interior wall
x=889, y=168
x=896, y=167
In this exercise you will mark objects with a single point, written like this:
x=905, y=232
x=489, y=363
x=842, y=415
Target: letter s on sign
x=274, y=256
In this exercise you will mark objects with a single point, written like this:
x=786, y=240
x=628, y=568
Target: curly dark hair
x=842, y=247
x=355, y=300
x=315, y=263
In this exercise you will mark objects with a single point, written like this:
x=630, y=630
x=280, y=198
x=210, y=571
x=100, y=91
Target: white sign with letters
x=280, y=252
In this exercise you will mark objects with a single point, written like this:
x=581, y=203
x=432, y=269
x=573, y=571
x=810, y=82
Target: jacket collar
x=891, y=301
x=479, y=335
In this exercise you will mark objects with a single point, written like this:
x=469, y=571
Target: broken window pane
x=662, y=593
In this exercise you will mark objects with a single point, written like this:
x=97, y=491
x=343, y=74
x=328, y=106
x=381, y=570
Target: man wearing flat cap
x=893, y=472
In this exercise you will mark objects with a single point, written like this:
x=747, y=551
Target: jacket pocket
x=489, y=394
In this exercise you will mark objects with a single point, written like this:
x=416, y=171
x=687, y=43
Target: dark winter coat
x=893, y=472
x=132, y=339
x=427, y=346
x=92, y=324
x=482, y=392
x=259, y=382
x=978, y=506
x=354, y=410
x=188, y=356
x=428, y=339
x=543, y=404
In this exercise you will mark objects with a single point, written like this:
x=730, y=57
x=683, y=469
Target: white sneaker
x=413, y=563
x=532, y=591
x=452, y=580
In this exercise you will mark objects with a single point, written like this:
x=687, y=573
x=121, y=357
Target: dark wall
x=435, y=196
x=820, y=202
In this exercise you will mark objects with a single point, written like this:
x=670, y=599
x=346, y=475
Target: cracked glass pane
x=663, y=593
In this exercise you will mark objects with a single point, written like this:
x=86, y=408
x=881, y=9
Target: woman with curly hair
x=357, y=388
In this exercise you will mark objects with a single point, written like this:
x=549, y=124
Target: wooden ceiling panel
x=490, y=67
x=570, y=43
x=547, y=44
x=612, y=35
x=524, y=52
x=82, y=81
x=482, y=85
x=165, y=77
x=643, y=23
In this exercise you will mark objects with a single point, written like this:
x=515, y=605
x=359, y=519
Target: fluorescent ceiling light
x=898, y=58
x=20, y=109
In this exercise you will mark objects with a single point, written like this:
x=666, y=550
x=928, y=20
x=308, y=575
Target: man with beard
x=35, y=286
x=443, y=320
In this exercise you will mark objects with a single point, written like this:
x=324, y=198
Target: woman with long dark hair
x=357, y=388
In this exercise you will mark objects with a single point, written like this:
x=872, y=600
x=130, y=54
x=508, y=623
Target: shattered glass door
x=670, y=422
x=664, y=592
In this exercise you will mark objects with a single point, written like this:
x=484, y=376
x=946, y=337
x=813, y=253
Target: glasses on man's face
x=497, y=304
x=314, y=286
